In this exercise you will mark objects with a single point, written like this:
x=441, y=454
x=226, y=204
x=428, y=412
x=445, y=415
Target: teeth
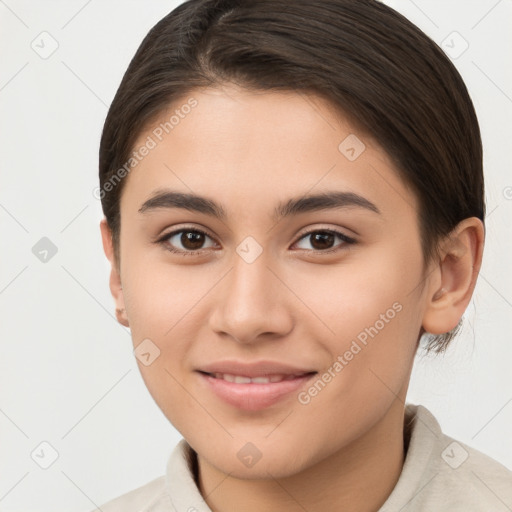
x=261, y=380
x=238, y=379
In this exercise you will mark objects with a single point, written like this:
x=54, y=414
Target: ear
x=453, y=278
x=116, y=287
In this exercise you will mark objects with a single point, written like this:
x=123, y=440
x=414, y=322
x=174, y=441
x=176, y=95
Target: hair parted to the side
x=377, y=68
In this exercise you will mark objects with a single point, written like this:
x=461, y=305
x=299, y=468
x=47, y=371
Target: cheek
x=367, y=287
x=163, y=303
x=373, y=313
x=160, y=296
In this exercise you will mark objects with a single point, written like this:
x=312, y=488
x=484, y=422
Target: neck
x=357, y=478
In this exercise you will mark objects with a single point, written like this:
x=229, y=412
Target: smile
x=253, y=393
x=239, y=379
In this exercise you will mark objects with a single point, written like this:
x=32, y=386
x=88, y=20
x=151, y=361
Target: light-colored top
x=439, y=475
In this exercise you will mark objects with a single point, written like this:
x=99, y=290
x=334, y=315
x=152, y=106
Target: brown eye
x=192, y=239
x=324, y=240
x=185, y=241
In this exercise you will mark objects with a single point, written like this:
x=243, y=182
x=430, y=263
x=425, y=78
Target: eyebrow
x=309, y=203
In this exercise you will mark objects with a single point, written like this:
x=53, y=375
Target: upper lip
x=258, y=369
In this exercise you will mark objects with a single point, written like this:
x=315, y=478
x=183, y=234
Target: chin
x=257, y=461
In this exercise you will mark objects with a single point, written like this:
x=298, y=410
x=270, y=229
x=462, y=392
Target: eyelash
x=163, y=240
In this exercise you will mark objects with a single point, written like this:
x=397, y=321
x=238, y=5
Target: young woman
x=293, y=196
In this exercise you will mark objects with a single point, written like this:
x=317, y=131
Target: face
x=318, y=301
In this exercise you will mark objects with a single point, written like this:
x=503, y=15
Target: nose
x=251, y=303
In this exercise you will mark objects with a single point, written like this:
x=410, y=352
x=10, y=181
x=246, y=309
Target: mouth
x=265, y=379
x=252, y=393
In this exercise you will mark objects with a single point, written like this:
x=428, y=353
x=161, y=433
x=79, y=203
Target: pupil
x=322, y=238
x=192, y=240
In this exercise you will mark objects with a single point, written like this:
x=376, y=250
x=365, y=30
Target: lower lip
x=253, y=396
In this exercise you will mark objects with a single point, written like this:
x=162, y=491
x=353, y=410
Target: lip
x=253, y=396
x=258, y=369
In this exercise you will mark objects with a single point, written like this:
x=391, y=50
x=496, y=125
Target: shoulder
x=138, y=499
x=469, y=479
x=443, y=474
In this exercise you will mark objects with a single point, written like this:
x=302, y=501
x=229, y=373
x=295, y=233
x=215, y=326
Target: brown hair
x=375, y=66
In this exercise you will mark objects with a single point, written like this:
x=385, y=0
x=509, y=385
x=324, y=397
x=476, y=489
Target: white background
x=67, y=373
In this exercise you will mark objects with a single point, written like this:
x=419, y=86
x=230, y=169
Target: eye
x=322, y=240
x=191, y=239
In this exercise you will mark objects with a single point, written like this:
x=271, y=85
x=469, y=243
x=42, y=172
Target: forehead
x=265, y=146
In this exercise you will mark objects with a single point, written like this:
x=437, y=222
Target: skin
x=248, y=151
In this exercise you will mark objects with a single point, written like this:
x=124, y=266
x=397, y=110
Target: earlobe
x=456, y=273
x=116, y=288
